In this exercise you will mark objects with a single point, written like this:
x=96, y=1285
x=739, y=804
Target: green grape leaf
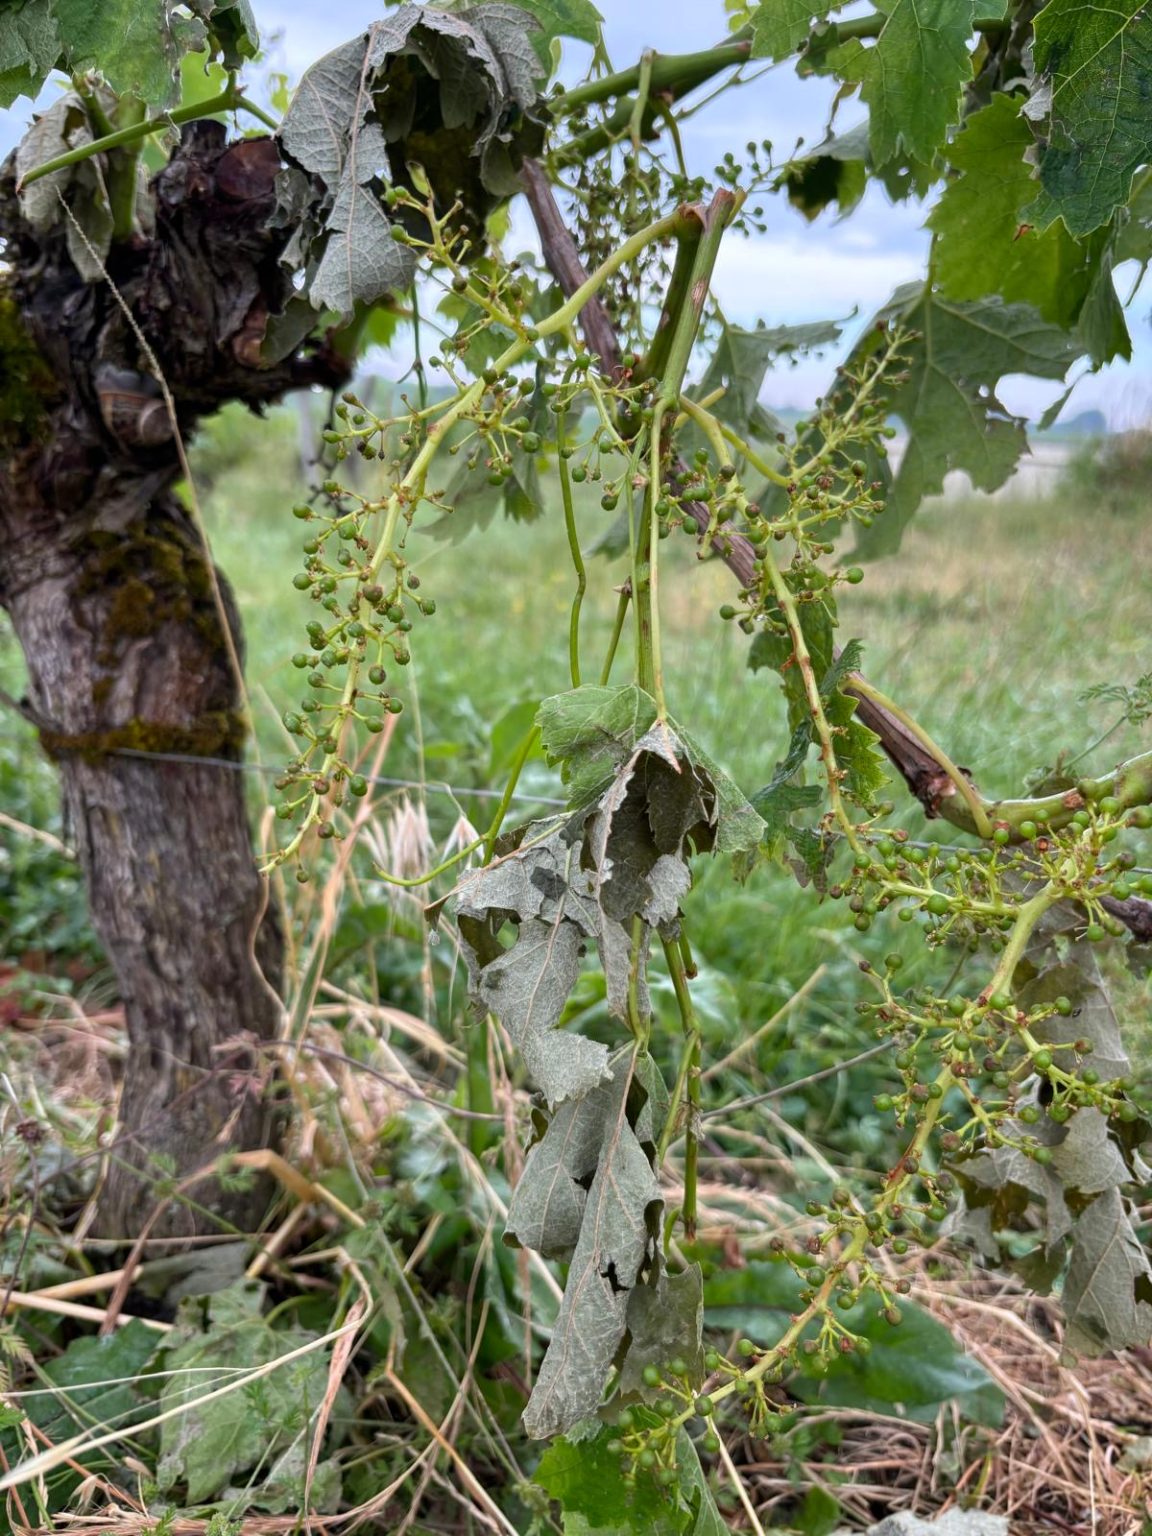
x=912, y=76
x=780, y=26
x=232, y=30
x=562, y=18
x=956, y=356
x=136, y=47
x=29, y=47
x=984, y=244
x=1095, y=72
x=591, y=732
x=854, y=744
x=779, y=800
x=618, y=1239
x=739, y=364
x=836, y=171
x=1103, y=326
x=203, y=1447
x=1134, y=226
x=597, y=1500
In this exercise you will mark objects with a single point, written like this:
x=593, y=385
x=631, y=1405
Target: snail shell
x=132, y=409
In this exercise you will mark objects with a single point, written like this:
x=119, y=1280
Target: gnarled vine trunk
x=109, y=592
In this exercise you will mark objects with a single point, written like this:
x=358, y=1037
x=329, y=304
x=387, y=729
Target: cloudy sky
x=795, y=271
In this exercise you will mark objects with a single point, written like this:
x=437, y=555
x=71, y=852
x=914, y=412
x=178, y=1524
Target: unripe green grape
x=651, y=1376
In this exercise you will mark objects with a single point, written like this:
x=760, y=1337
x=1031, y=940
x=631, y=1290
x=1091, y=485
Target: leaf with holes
x=984, y=244
x=618, y=1239
x=955, y=356
x=1108, y=1289
x=1094, y=66
x=137, y=48
x=780, y=26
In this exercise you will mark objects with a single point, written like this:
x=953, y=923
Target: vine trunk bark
x=110, y=593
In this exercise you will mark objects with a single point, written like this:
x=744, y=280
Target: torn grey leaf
x=665, y=1320
x=618, y=1236
x=526, y=987
x=547, y=1205
x=1108, y=1289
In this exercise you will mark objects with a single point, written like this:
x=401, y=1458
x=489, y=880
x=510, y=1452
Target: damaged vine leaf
x=1076, y=1195
x=955, y=356
x=77, y=190
x=619, y=860
x=984, y=244
x=865, y=772
x=456, y=94
x=592, y=732
x=1090, y=105
x=616, y=1241
x=614, y=871
x=835, y=171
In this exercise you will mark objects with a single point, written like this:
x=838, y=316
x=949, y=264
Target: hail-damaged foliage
x=455, y=95
x=613, y=872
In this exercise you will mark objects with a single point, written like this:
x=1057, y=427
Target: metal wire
x=427, y=786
